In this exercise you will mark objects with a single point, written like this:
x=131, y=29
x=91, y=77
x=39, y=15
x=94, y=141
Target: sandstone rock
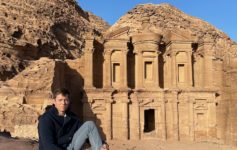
x=188, y=94
x=33, y=29
x=24, y=98
x=29, y=131
x=15, y=115
x=165, y=17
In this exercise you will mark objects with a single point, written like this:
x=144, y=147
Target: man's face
x=61, y=103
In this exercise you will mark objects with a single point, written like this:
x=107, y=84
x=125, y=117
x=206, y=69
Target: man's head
x=61, y=100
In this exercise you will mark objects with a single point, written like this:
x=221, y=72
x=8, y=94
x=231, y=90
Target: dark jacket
x=52, y=134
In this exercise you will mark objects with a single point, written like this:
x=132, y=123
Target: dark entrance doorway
x=149, y=118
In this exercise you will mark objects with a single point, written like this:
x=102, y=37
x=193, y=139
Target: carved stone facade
x=156, y=73
x=151, y=88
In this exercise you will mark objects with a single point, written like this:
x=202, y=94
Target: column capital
x=125, y=101
x=107, y=52
x=109, y=100
x=173, y=53
x=89, y=42
x=89, y=50
x=125, y=51
x=137, y=52
x=158, y=53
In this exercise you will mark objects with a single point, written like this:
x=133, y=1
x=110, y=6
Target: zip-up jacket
x=55, y=132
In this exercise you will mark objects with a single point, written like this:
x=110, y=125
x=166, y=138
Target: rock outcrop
x=163, y=18
x=24, y=97
x=32, y=29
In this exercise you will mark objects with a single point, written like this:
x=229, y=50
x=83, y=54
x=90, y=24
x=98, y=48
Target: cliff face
x=32, y=29
x=24, y=97
x=57, y=29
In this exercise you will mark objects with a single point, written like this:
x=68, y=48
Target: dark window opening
x=181, y=73
x=148, y=71
x=149, y=119
x=116, y=72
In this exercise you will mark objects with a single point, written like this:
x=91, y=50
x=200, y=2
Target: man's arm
x=46, y=134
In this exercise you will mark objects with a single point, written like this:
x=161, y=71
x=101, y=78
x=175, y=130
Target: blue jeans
x=87, y=130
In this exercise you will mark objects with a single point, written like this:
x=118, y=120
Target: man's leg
x=87, y=130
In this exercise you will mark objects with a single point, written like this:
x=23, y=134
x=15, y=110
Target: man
x=60, y=129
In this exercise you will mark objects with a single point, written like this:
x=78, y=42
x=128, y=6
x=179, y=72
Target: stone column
x=198, y=70
x=124, y=80
x=138, y=128
x=168, y=74
x=212, y=130
x=125, y=117
x=138, y=70
x=191, y=119
x=135, y=118
x=89, y=67
x=142, y=121
x=165, y=70
x=109, y=119
x=202, y=70
x=156, y=70
x=164, y=131
x=189, y=69
x=173, y=69
x=208, y=68
x=175, y=116
x=107, y=82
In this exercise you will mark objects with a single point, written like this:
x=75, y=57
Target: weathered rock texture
x=164, y=17
x=157, y=73
x=229, y=108
x=32, y=29
x=24, y=97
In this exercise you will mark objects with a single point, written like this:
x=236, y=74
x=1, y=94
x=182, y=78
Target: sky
x=220, y=13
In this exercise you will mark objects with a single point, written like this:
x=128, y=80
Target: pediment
x=178, y=35
x=121, y=33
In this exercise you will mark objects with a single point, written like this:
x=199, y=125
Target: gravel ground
x=7, y=143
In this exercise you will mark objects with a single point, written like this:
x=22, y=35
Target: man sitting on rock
x=60, y=129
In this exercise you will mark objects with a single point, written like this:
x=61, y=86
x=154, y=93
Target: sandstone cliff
x=32, y=29
x=24, y=97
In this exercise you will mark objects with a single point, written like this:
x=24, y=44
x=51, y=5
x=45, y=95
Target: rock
x=53, y=29
x=24, y=97
x=32, y=62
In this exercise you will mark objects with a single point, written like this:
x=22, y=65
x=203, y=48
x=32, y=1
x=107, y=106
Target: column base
x=89, y=87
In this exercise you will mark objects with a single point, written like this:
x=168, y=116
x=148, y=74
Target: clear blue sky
x=222, y=14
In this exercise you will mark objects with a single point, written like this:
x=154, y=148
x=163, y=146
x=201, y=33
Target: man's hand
x=105, y=147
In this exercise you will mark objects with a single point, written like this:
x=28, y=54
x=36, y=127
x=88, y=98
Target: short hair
x=63, y=91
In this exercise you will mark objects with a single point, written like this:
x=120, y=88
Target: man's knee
x=89, y=124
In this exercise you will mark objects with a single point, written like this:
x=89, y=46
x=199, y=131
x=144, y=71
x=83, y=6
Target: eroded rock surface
x=24, y=98
x=164, y=18
x=32, y=29
x=59, y=30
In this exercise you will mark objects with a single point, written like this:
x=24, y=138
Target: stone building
x=149, y=85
